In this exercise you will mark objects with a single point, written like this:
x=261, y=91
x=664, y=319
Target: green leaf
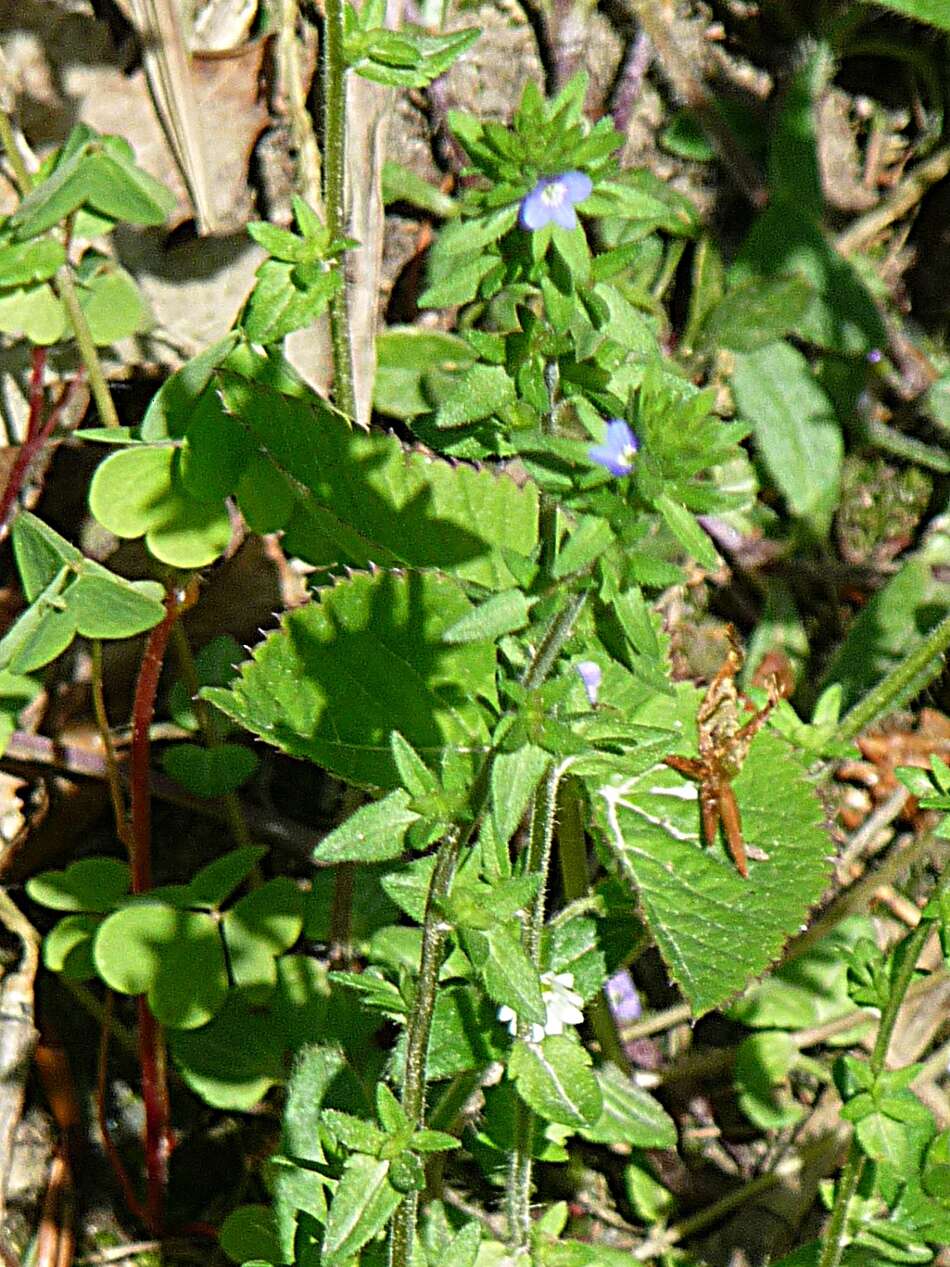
x=590, y=538
x=258, y=928
x=892, y=623
x=842, y=315
x=113, y=305
x=763, y=1062
x=32, y=261
x=555, y=1079
x=234, y=1060
x=366, y=659
x=933, y=12
x=793, y=151
x=478, y=393
x=402, y=184
x=795, y=429
x=209, y=772
x=885, y=1140
x=91, y=884
x=281, y=303
x=368, y=501
x=687, y=531
x=34, y=313
x=514, y=777
x=409, y=361
x=502, y=613
x=247, y=1234
x=755, y=313
x=715, y=929
x=171, y=409
x=631, y=1116
x=138, y=492
x=373, y=833
x=107, y=606
x=214, y=884
x=508, y=974
x=175, y=957
x=362, y=1205
x=67, y=947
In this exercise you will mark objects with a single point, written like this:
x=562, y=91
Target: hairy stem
x=518, y=1194
x=833, y=1242
x=897, y=687
x=334, y=105
x=419, y=1027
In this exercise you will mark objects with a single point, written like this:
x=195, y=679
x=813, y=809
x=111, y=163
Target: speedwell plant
x=480, y=656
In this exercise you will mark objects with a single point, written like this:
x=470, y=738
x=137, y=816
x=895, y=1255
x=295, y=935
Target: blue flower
x=617, y=451
x=591, y=676
x=552, y=201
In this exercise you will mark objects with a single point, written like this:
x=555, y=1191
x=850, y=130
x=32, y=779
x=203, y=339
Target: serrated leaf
x=373, y=833
x=365, y=500
x=555, y=1079
x=509, y=976
x=715, y=929
x=366, y=659
x=795, y=429
x=362, y=1205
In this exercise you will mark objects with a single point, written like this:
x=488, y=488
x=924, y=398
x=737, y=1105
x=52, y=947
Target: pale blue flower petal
x=618, y=450
x=591, y=675
x=552, y=201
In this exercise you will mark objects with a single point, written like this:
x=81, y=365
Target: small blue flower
x=591, y=675
x=617, y=451
x=552, y=201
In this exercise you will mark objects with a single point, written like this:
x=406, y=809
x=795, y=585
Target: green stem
x=901, y=683
x=419, y=1027
x=833, y=1242
x=334, y=105
x=518, y=1194
x=20, y=170
x=66, y=289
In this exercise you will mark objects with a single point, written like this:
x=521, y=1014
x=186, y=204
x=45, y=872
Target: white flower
x=562, y=1005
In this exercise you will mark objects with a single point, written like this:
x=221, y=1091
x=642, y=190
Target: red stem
x=151, y=1042
x=37, y=433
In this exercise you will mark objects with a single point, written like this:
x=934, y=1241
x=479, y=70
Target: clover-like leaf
x=174, y=956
